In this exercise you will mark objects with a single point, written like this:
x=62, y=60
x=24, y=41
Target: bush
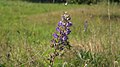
x=83, y=1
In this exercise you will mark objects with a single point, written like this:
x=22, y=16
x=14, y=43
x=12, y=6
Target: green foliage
x=91, y=59
x=2, y=65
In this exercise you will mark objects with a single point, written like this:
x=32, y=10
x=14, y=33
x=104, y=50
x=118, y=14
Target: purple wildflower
x=60, y=40
x=60, y=23
x=64, y=38
x=85, y=25
x=68, y=31
x=58, y=29
x=69, y=24
x=55, y=35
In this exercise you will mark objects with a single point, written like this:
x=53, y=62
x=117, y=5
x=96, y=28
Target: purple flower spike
x=60, y=38
x=68, y=31
x=58, y=29
x=69, y=24
x=64, y=38
x=55, y=35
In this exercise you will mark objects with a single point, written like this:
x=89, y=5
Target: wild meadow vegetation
x=26, y=31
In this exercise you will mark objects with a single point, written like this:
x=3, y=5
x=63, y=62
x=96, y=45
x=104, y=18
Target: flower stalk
x=60, y=38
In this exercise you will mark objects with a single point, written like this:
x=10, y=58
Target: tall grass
x=26, y=28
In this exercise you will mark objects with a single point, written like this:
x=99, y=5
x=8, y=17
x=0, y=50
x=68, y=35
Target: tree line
x=74, y=1
x=92, y=1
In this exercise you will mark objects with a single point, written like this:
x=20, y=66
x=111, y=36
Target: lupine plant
x=85, y=25
x=60, y=38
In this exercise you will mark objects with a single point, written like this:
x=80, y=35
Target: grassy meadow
x=26, y=30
